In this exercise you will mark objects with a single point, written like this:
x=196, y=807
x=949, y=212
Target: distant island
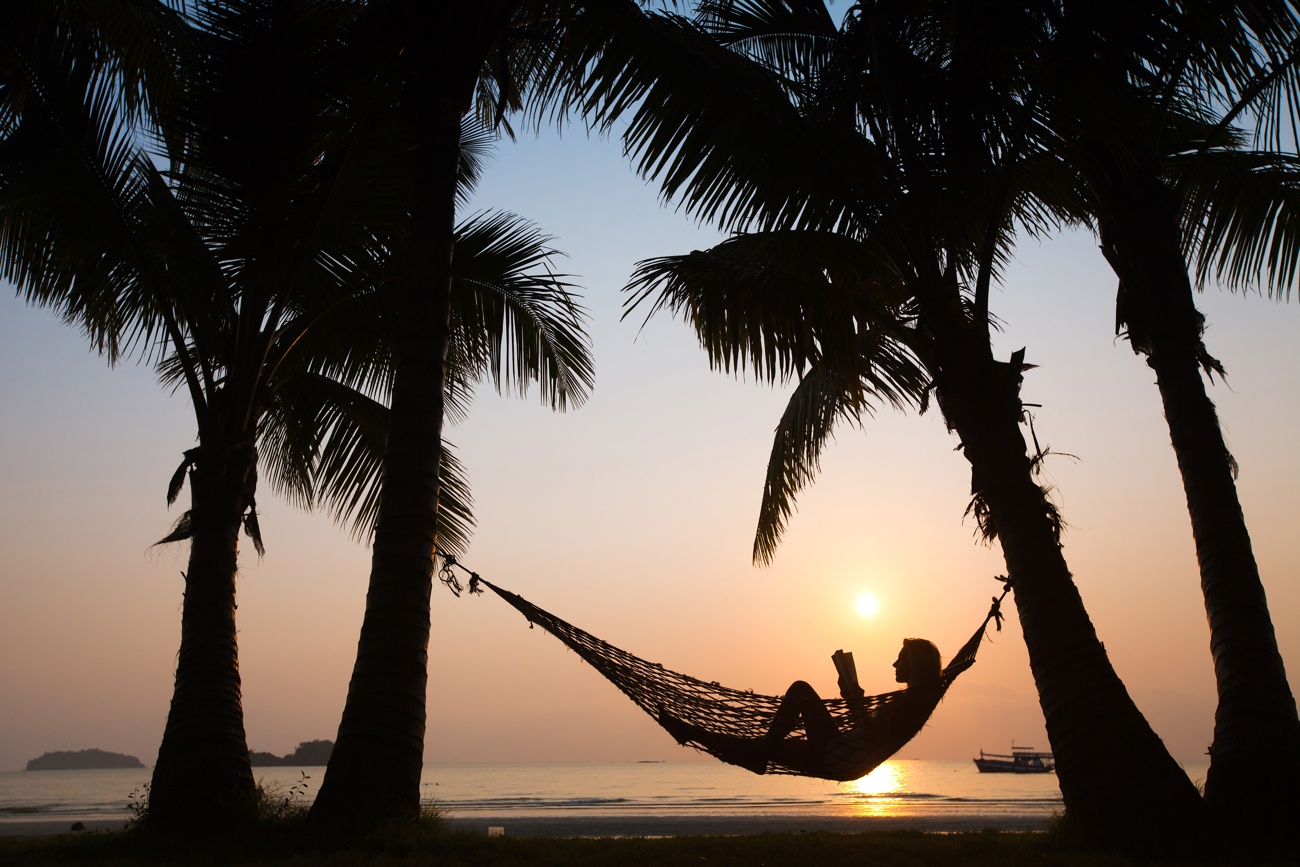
x=83, y=760
x=309, y=754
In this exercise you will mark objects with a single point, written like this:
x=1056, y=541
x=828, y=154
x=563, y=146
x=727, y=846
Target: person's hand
x=851, y=691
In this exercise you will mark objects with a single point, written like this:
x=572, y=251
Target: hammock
x=732, y=712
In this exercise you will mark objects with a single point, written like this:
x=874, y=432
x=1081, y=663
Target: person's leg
x=682, y=731
x=801, y=702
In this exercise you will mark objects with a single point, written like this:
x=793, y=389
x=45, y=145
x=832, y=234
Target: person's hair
x=923, y=665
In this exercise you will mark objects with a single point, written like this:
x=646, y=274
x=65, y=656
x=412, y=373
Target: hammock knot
x=447, y=575
x=995, y=611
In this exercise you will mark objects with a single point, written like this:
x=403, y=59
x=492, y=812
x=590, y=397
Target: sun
x=867, y=605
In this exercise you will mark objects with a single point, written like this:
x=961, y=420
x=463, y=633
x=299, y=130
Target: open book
x=847, y=670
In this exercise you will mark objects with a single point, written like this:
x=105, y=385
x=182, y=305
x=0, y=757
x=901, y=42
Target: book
x=847, y=670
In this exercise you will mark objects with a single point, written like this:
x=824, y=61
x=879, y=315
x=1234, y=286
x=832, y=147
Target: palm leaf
x=514, y=320
x=675, y=89
x=1242, y=218
x=823, y=397
x=323, y=445
x=814, y=305
x=778, y=303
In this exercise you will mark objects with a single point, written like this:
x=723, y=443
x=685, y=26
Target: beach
x=677, y=826
x=54, y=827
x=641, y=799
x=636, y=826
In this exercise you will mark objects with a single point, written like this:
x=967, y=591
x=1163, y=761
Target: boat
x=1022, y=760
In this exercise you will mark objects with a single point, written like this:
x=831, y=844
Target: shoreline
x=55, y=827
x=645, y=825
x=724, y=825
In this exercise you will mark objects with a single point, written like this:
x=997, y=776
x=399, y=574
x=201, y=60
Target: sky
x=632, y=517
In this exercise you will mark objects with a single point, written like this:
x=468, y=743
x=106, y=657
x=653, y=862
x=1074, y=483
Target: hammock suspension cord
x=729, y=712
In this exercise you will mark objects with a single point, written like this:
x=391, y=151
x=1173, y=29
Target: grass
x=429, y=843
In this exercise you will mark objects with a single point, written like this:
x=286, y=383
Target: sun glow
x=878, y=793
x=867, y=605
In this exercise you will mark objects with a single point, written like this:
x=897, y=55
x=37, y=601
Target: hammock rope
x=739, y=713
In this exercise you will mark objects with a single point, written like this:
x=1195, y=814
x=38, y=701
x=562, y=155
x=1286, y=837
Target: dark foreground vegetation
x=430, y=843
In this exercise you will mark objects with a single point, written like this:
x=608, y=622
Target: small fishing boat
x=1022, y=760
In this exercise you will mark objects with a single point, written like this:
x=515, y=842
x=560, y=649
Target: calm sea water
x=924, y=790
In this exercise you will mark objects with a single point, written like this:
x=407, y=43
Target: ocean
x=644, y=798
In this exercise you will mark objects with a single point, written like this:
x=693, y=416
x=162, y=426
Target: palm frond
x=183, y=529
x=778, y=303
x=792, y=39
x=676, y=88
x=821, y=399
x=1240, y=61
x=818, y=306
x=455, y=504
x=178, y=477
x=513, y=319
x=135, y=47
x=84, y=223
x=476, y=141
x=1242, y=218
x=323, y=445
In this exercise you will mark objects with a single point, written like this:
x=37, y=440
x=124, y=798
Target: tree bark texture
x=1255, y=756
x=374, y=772
x=202, y=780
x=1119, y=783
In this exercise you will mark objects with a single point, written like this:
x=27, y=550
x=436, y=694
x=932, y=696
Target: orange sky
x=632, y=518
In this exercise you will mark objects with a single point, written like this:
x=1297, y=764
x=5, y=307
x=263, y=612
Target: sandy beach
x=642, y=826
x=676, y=826
x=52, y=827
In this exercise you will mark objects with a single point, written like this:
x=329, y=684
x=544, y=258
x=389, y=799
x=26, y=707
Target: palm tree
x=445, y=60
x=257, y=274
x=132, y=49
x=434, y=57
x=94, y=229
x=513, y=323
x=898, y=133
x=1143, y=104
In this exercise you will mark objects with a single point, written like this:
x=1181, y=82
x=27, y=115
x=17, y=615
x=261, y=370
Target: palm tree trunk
x=202, y=780
x=1119, y=783
x=1255, y=757
x=374, y=772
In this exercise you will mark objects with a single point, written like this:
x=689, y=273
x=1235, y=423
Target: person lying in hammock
x=876, y=726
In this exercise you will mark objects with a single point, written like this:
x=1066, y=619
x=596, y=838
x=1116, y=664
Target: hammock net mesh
x=742, y=713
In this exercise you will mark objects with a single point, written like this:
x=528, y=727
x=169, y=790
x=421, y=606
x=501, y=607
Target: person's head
x=918, y=662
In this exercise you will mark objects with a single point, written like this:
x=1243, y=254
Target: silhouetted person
x=826, y=750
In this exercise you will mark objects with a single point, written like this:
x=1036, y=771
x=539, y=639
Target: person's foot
x=682, y=731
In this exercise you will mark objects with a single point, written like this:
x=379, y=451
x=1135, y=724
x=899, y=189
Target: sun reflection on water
x=877, y=794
